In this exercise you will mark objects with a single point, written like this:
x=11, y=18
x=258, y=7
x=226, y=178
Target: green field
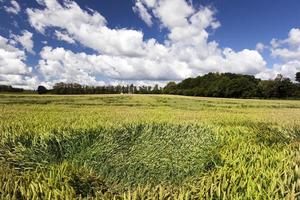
x=148, y=147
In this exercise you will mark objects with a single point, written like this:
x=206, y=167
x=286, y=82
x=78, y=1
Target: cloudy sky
x=98, y=42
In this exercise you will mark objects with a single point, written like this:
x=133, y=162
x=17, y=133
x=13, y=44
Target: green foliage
x=170, y=88
x=75, y=88
x=230, y=85
x=297, y=77
x=220, y=85
x=42, y=90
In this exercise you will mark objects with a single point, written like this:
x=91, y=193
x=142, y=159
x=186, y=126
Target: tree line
x=9, y=88
x=75, y=88
x=227, y=85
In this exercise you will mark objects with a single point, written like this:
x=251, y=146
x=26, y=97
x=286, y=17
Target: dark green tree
x=42, y=90
x=298, y=77
x=170, y=88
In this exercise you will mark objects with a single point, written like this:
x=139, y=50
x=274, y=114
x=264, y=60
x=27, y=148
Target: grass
x=148, y=147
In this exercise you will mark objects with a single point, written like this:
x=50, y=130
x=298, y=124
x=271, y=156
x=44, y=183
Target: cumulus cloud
x=251, y=61
x=64, y=36
x=25, y=40
x=88, y=28
x=64, y=65
x=287, y=51
x=124, y=54
x=294, y=37
x=289, y=48
x=173, y=13
x=26, y=82
x=13, y=70
x=287, y=69
x=181, y=18
x=11, y=59
x=14, y=8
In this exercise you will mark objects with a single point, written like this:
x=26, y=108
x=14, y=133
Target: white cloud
x=143, y=13
x=68, y=15
x=11, y=59
x=149, y=3
x=260, y=47
x=87, y=28
x=173, y=13
x=294, y=37
x=25, y=40
x=64, y=36
x=64, y=65
x=14, y=8
x=287, y=51
x=275, y=43
x=287, y=69
x=245, y=62
x=125, y=55
x=21, y=81
x=13, y=70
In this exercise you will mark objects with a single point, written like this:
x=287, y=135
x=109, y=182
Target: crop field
x=148, y=147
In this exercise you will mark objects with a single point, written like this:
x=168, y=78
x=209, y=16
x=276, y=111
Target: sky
x=145, y=42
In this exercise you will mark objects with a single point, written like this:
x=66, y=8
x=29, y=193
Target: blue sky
x=145, y=41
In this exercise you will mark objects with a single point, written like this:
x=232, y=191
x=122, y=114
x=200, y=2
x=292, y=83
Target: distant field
x=148, y=147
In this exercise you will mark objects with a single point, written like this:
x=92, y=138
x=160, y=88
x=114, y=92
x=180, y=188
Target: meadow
x=148, y=147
